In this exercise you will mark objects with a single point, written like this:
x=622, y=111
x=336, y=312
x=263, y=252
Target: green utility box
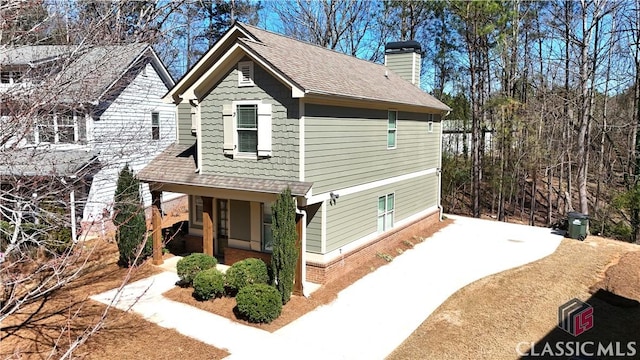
x=578, y=224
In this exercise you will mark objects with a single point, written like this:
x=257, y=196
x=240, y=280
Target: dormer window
x=245, y=73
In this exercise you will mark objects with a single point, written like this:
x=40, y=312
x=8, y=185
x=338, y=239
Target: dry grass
x=58, y=319
x=487, y=319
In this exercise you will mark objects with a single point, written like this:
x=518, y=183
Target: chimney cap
x=402, y=47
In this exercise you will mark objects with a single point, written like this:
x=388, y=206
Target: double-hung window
x=392, y=128
x=247, y=116
x=155, y=126
x=386, y=206
x=60, y=128
x=247, y=129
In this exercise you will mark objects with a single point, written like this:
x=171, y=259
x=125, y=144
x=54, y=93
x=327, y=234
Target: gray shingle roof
x=32, y=54
x=91, y=74
x=44, y=162
x=177, y=165
x=86, y=72
x=323, y=71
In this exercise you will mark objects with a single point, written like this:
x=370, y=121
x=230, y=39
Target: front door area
x=222, y=211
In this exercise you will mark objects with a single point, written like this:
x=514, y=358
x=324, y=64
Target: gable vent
x=245, y=73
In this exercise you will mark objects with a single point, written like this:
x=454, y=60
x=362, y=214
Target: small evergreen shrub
x=259, y=303
x=129, y=218
x=246, y=272
x=208, y=284
x=188, y=267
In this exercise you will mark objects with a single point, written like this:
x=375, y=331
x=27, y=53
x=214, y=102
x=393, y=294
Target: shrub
x=259, y=303
x=188, y=267
x=285, y=252
x=208, y=284
x=129, y=219
x=247, y=272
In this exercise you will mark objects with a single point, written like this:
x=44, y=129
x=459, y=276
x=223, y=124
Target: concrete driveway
x=373, y=316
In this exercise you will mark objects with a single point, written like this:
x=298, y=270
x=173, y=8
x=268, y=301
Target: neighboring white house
x=105, y=100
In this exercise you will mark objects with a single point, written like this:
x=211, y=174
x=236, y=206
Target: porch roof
x=177, y=165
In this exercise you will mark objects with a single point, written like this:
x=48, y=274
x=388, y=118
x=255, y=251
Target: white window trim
x=241, y=82
x=394, y=130
x=234, y=105
x=159, y=127
x=387, y=212
x=56, y=130
x=430, y=126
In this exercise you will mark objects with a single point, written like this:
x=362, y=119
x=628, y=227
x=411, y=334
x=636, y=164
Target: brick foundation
x=232, y=255
x=322, y=273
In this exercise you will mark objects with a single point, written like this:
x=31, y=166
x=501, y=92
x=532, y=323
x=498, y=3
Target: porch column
x=156, y=222
x=207, y=225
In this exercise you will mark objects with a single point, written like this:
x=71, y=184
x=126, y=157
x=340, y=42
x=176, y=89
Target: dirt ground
x=68, y=313
x=299, y=305
x=489, y=318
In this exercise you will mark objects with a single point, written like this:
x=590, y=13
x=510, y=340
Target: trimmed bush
x=246, y=272
x=259, y=303
x=188, y=267
x=208, y=284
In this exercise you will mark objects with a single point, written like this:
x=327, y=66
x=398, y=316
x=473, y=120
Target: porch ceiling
x=177, y=165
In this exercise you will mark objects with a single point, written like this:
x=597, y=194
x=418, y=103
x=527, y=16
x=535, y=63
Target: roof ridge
x=310, y=44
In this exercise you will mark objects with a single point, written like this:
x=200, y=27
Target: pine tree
x=285, y=254
x=129, y=219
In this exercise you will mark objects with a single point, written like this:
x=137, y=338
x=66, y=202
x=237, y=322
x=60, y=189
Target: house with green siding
x=358, y=144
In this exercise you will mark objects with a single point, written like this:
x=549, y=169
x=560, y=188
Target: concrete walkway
x=370, y=318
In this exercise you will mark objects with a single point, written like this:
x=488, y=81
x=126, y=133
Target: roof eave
x=172, y=96
x=327, y=95
x=236, y=52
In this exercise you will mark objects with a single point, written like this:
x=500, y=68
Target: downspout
x=439, y=172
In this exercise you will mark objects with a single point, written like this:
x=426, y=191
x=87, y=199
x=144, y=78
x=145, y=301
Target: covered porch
x=231, y=215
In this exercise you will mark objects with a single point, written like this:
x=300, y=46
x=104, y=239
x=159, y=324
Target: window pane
x=247, y=141
x=381, y=208
x=266, y=212
x=267, y=243
x=65, y=134
x=390, y=202
x=391, y=138
x=65, y=119
x=392, y=119
x=155, y=119
x=381, y=223
x=46, y=129
x=199, y=209
x=389, y=221
x=247, y=116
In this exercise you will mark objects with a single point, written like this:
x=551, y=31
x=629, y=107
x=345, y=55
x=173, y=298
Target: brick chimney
x=404, y=59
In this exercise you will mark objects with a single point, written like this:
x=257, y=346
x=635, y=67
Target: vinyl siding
x=284, y=162
x=314, y=228
x=348, y=146
x=184, y=124
x=355, y=216
x=122, y=135
x=402, y=64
